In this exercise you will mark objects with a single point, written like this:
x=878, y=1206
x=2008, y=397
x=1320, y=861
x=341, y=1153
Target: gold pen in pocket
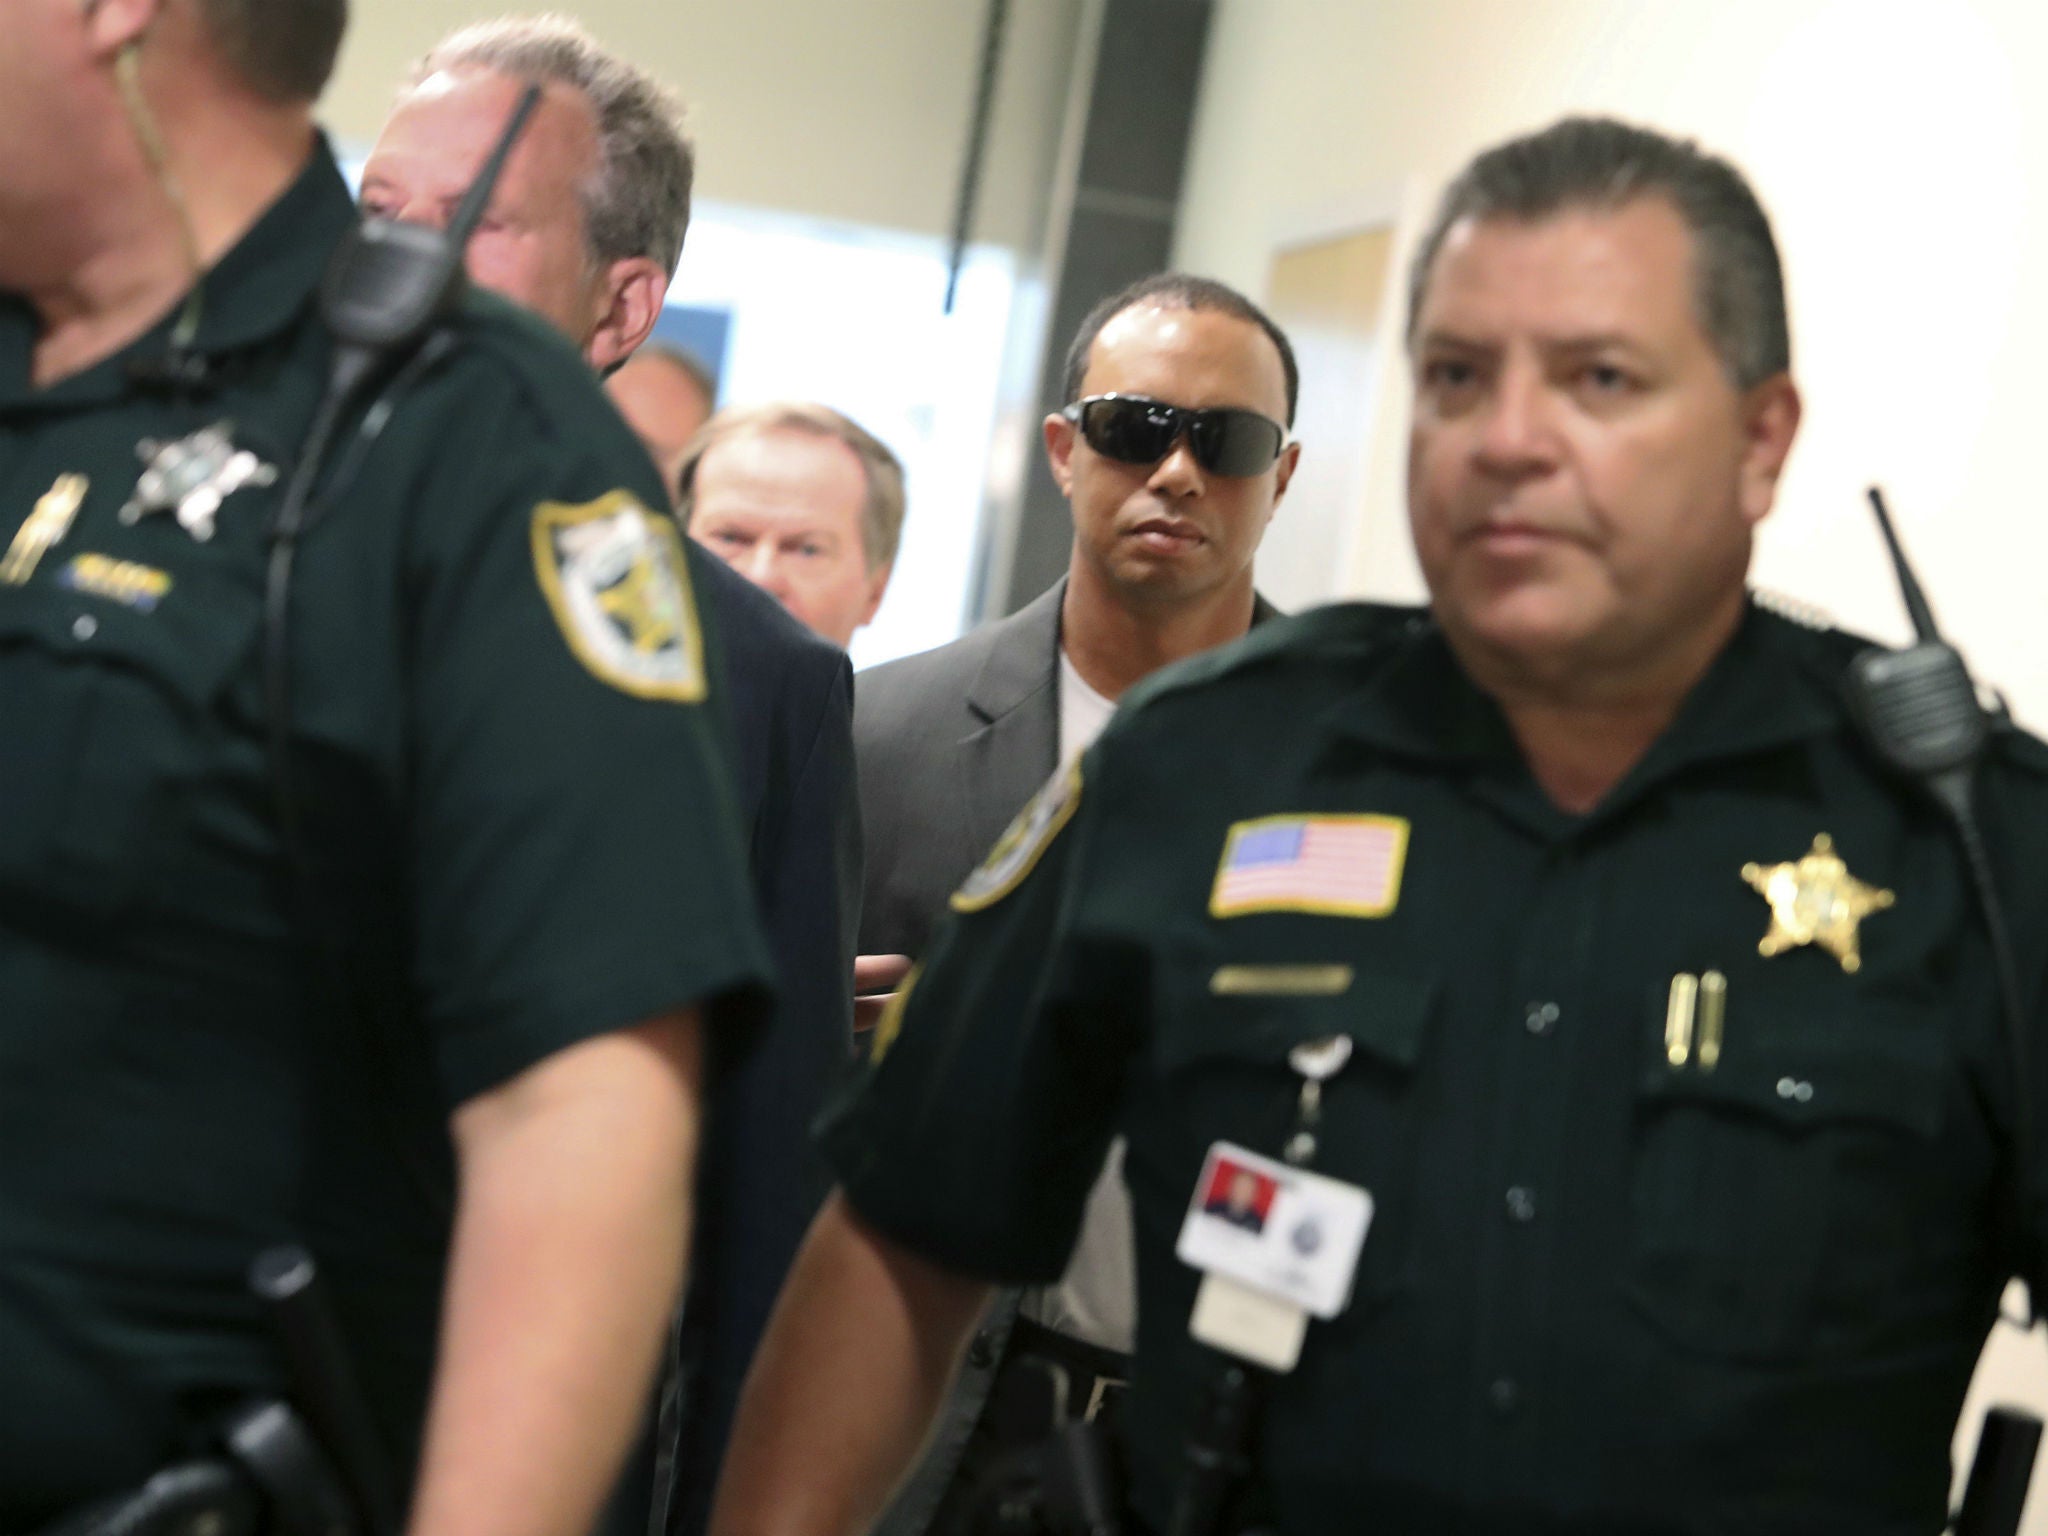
x=1713, y=1018
x=1678, y=1018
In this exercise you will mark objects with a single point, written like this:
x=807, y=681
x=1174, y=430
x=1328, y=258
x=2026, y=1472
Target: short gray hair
x=1600, y=163
x=283, y=50
x=637, y=201
x=881, y=518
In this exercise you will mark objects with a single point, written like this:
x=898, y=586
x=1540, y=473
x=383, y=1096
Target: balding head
x=588, y=217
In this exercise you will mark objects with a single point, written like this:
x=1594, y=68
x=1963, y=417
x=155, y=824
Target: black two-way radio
x=1920, y=711
x=1919, y=705
x=387, y=295
x=389, y=288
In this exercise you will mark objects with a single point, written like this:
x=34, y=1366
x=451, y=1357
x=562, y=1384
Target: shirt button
x=981, y=1354
x=1503, y=1396
x=1541, y=1018
x=84, y=627
x=1521, y=1203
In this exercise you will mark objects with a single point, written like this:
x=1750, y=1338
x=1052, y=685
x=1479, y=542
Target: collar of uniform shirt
x=251, y=294
x=1759, y=693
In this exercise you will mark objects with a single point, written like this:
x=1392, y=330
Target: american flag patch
x=1347, y=866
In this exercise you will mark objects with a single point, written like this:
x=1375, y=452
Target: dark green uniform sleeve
x=577, y=865
x=983, y=1118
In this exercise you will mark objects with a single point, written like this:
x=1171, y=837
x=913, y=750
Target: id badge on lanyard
x=1276, y=1243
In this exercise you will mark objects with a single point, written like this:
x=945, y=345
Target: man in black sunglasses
x=1173, y=453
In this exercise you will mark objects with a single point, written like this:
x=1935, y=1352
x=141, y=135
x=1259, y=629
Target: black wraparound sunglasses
x=1134, y=430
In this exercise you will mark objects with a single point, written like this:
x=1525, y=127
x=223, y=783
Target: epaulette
x=1797, y=610
x=1839, y=647
x=1811, y=640
x=1349, y=629
x=2022, y=748
x=530, y=351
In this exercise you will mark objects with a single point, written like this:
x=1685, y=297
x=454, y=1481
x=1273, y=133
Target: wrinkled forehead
x=445, y=127
x=1580, y=269
x=784, y=468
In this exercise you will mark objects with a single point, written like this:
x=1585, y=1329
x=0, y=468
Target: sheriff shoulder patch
x=1018, y=850
x=618, y=582
x=890, y=1025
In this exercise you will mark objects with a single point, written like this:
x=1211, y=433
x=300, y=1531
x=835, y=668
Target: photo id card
x=1289, y=1233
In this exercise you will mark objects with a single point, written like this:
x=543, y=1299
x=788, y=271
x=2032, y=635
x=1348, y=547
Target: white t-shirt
x=1096, y=1300
x=1083, y=712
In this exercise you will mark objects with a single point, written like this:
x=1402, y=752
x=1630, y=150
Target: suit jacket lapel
x=1016, y=697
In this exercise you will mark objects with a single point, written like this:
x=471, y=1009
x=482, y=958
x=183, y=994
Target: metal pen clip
x=1678, y=1018
x=1713, y=1018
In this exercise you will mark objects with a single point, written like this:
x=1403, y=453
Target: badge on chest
x=1277, y=1244
x=191, y=476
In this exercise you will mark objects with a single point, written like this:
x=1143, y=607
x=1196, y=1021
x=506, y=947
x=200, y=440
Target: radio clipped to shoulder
x=1919, y=706
x=1920, y=711
x=387, y=288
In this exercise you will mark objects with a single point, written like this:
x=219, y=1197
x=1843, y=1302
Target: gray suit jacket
x=949, y=745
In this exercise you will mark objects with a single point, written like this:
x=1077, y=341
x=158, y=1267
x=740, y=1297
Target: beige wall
x=844, y=109
x=1906, y=161
x=1904, y=152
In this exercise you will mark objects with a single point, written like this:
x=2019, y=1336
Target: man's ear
x=1059, y=451
x=630, y=300
x=1290, y=456
x=112, y=25
x=1770, y=420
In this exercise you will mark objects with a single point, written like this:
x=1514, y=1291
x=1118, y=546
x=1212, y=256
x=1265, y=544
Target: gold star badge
x=1816, y=901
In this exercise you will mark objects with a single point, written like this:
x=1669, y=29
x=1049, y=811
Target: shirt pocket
x=112, y=716
x=1221, y=1055
x=1774, y=1198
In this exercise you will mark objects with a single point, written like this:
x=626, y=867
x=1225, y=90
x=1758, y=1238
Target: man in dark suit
x=586, y=227
x=1173, y=454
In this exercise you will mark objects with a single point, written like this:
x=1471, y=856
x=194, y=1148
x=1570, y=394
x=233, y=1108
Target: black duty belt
x=1082, y=1378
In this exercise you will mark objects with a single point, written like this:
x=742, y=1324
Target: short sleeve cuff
x=723, y=976
x=922, y=1202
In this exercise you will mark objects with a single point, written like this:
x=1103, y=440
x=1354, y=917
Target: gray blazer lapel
x=1016, y=696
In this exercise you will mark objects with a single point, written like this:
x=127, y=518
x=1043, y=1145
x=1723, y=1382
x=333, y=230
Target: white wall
x=844, y=109
x=1904, y=162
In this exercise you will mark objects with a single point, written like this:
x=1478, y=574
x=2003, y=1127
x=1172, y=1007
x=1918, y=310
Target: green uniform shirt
x=1604, y=1289
x=515, y=812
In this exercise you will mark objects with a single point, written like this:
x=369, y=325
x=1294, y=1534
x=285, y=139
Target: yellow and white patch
x=140, y=587
x=1018, y=850
x=618, y=582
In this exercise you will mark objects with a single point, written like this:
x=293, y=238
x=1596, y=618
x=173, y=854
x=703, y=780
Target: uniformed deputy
x=518, y=891
x=1576, y=927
